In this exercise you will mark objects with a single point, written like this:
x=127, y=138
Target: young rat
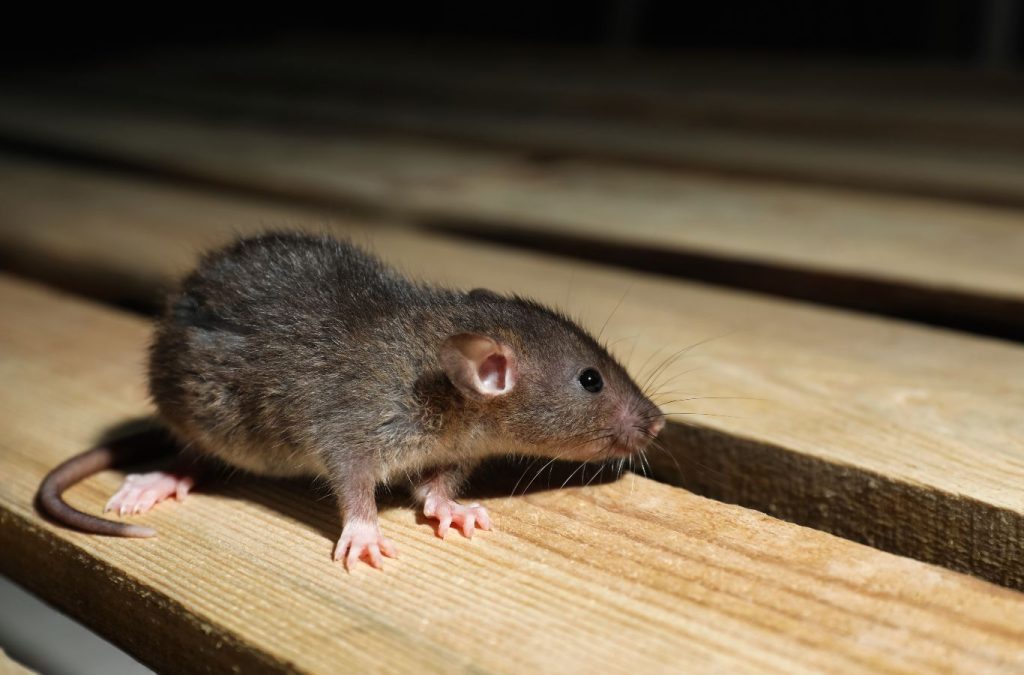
x=297, y=355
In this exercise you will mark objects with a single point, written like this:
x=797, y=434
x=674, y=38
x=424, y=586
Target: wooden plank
x=618, y=577
x=906, y=438
x=886, y=162
x=948, y=105
x=934, y=261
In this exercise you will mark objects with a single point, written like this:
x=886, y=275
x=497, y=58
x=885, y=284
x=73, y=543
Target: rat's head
x=546, y=385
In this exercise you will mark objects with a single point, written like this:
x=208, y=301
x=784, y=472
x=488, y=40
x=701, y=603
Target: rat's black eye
x=591, y=380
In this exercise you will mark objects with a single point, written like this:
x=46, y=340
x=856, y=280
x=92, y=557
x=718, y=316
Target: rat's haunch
x=291, y=354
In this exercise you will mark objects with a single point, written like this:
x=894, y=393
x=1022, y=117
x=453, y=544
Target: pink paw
x=140, y=492
x=361, y=540
x=449, y=512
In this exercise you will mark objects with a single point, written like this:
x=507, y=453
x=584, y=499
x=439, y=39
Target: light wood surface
x=903, y=437
x=945, y=263
x=622, y=577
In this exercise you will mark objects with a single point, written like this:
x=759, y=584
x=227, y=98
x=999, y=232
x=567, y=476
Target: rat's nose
x=636, y=431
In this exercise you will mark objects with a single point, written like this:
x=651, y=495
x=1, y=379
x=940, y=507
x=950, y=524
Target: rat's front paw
x=361, y=540
x=449, y=512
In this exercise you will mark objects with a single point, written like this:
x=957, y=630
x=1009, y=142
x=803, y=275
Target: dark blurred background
x=920, y=98
x=969, y=32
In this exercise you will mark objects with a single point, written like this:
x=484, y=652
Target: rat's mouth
x=619, y=450
x=596, y=452
x=607, y=449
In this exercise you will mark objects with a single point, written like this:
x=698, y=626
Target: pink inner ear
x=493, y=374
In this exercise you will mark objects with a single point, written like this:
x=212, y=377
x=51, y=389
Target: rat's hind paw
x=140, y=492
x=361, y=540
x=449, y=512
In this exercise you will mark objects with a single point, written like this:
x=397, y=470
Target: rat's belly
x=252, y=455
x=283, y=462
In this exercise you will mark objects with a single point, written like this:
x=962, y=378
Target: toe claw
x=388, y=548
x=183, y=488
x=430, y=507
x=363, y=541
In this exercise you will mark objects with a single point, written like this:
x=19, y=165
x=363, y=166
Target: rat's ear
x=479, y=367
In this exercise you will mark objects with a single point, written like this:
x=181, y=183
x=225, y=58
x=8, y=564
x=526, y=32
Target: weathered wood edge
x=848, y=501
x=80, y=585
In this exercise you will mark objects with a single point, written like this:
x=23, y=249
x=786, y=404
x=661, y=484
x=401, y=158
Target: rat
x=290, y=354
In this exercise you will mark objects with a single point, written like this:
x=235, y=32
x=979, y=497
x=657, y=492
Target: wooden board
x=933, y=261
x=949, y=105
x=906, y=438
x=618, y=577
x=887, y=162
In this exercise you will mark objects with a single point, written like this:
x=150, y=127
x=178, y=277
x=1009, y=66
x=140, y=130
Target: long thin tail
x=134, y=448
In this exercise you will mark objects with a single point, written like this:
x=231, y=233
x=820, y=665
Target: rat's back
x=266, y=337
x=277, y=281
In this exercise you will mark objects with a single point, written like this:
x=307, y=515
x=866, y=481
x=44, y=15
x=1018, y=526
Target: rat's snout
x=636, y=432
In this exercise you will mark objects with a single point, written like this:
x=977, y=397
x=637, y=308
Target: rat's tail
x=134, y=448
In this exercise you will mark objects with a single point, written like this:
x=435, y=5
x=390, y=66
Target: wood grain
x=624, y=576
x=925, y=260
x=906, y=438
